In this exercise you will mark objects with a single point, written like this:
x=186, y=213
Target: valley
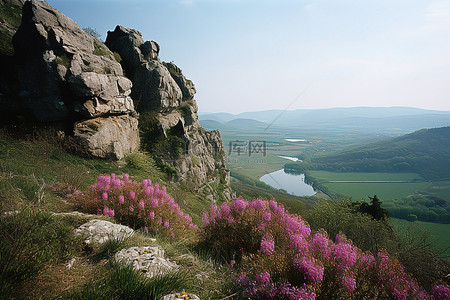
x=419, y=192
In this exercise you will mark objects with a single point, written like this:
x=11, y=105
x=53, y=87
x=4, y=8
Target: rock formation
x=65, y=76
x=161, y=88
x=62, y=76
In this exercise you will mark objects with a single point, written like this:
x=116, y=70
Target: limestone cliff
x=161, y=89
x=62, y=76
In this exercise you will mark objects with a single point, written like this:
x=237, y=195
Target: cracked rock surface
x=100, y=231
x=148, y=260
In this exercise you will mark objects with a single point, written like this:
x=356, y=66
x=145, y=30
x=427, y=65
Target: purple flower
x=267, y=246
x=141, y=205
x=121, y=199
x=166, y=224
x=263, y=278
x=132, y=194
x=126, y=177
x=105, y=196
x=349, y=283
x=131, y=208
x=441, y=292
x=310, y=268
x=266, y=216
x=154, y=202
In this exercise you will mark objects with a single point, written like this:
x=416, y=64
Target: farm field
x=360, y=190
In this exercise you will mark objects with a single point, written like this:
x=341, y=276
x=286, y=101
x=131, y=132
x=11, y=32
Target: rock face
x=162, y=89
x=154, y=88
x=66, y=76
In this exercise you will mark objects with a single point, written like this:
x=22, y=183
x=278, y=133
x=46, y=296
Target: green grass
x=384, y=191
x=360, y=190
x=330, y=176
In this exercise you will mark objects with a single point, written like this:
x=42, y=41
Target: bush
x=139, y=205
x=279, y=258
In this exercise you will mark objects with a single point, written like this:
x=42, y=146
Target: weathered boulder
x=148, y=260
x=64, y=75
x=153, y=86
x=111, y=137
x=99, y=231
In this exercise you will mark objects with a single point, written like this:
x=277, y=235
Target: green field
x=331, y=176
x=360, y=190
x=439, y=233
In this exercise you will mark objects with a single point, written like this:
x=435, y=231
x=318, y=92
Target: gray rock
x=149, y=260
x=187, y=86
x=65, y=74
x=153, y=86
x=100, y=231
x=181, y=295
x=113, y=136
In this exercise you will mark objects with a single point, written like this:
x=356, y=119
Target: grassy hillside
x=426, y=152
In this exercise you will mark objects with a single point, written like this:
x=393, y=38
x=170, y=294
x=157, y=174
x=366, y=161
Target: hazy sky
x=247, y=55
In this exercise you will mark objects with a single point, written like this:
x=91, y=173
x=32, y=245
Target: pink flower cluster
x=141, y=205
x=319, y=264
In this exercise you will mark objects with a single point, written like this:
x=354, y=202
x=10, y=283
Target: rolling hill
x=426, y=152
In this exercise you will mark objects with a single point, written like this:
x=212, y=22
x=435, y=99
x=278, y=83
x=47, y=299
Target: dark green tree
x=374, y=209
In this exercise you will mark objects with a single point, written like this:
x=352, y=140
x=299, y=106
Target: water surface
x=293, y=183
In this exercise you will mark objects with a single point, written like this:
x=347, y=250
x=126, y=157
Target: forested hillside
x=426, y=152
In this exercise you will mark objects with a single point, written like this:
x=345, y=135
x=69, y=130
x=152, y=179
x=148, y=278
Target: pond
x=292, y=183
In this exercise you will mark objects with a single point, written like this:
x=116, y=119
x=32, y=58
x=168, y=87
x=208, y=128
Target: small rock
x=182, y=295
x=149, y=260
x=100, y=231
x=70, y=264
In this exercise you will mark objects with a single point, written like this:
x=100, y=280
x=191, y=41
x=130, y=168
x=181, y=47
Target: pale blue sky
x=247, y=55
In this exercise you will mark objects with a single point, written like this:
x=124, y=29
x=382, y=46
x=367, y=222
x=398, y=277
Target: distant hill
x=389, y=120
x=246, y=123
x=213, y=125
x=426, y=152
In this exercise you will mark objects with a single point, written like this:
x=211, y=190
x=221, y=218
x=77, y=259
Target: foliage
x=92, y=31
x=108, y=248
x=280, y=259
x=153, y=140
x=11, y=14
x=374, y=209
x=122, y=282
x=29, y=240
x=140, y=205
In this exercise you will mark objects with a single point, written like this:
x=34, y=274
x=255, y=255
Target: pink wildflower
x=121, y=199
x=132, y=194
x=267, y=246
x=141, y=205
x=105, y=196
x=152, y=215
